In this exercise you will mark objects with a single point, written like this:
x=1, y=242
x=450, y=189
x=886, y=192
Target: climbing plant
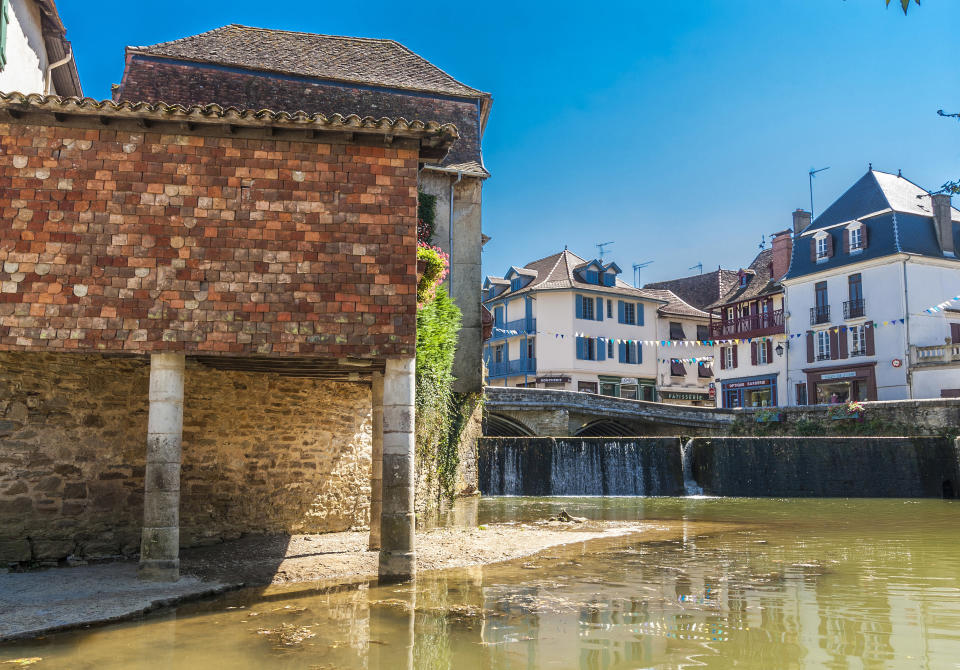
x=426, y=216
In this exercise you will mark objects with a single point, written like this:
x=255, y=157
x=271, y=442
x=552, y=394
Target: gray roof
x=760, y=282
x=701, y=290
x=378, y=62
x=897, y=214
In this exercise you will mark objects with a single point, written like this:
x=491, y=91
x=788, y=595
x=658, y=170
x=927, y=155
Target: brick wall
x=148, y=79
x=261, y=454
x=139, y=241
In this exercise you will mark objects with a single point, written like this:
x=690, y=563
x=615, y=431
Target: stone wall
x=119, y=238
x=261, y=454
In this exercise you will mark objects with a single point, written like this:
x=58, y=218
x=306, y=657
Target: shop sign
x=670, y=395
x=750, y=384
x=628, y=380
x=555, y=379
x=838, y=375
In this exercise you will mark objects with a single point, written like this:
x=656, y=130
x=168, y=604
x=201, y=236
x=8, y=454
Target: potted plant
x=849, y=410
x=766, y=416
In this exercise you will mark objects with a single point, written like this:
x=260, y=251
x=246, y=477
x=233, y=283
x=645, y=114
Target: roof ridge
x=179, y=39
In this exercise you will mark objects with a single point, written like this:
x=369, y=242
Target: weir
x=882, y=467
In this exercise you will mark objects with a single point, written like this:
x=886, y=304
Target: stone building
x=35, y=56
x=255, y=68
x=235, y=290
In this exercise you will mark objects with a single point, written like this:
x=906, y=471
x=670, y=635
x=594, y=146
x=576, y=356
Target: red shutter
x=843, y=342
x=846, y=241
x=769, y=351
x=809, y=346
x=868, y=336
x=813, y=249
x=723, y=358
x=863, y=235
x=955, y=333
x=829, y=245
x=735, y=347
x=834, y=345
x=753, y=353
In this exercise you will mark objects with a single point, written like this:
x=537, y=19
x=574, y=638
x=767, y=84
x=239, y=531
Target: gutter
x=52, y=66
x=450, y=228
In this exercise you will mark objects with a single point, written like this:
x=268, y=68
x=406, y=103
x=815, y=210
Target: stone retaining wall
x=261, y=454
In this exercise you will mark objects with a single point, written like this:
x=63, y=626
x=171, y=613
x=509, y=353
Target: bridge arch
x=501, y=425
x=604, y=427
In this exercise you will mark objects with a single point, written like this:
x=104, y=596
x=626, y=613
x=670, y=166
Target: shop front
x=750, y=392
x=631, y=388
x=696, y=398
x=848, y=383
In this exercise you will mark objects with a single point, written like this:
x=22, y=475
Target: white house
x=685, y=363
x=564, y=322
x=35, y=56
x=861, y=281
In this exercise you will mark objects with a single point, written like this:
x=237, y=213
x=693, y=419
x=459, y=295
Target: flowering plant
x=434, y=265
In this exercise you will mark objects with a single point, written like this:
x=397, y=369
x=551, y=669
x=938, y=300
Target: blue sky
x=680, y=130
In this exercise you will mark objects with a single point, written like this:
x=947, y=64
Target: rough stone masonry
x=275, y=252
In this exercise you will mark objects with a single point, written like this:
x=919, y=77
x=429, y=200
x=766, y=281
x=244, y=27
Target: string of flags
x=942, y=306
x=868, y=324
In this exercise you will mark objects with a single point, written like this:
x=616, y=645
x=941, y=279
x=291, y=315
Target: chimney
x=801, y=219
x=782, y=248
x=943, y=222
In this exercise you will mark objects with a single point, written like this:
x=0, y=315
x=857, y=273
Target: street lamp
x=779, y=349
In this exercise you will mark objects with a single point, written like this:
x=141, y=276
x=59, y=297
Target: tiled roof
x=556, y=272
x=66, y=80
x=676, y=306
x=379, y=62
x=701, y=290
x=759, y=281
x=897, y=214
x=443, y=134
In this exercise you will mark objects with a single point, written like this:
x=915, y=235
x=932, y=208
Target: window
x=591, y=349
x=856, y=287
x=704, y=369
x=856, y=239
x=609, y=309
x=609, y=279
x=498, y=316
x=630, y=352
x=592, y=277
x=531, y=349
x=676, y=331
x=4, y=21
x=703, y=332
x=853, y=308
x=588, y=309
x=498, y=354
x=823, y=345
x=515, y=284
x=821, y=312
x=728, y=357
x=743, y=281
x=821, y=247
x=610, y=349
x=762, y=353
x=858, y=341
x=676, y=368
x=629, y=313
x=801, y=394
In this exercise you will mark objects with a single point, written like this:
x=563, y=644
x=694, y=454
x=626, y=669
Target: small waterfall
x=690, y=486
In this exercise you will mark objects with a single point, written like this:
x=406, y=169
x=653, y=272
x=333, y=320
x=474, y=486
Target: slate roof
x=760, y=283
x=379, y=62
x=701, y=290
x=898, y=216
x=676, y=306
x=556, y=272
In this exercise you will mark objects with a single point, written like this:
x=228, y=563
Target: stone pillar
x=397, y=556
x=376, y=461
x=160, y=540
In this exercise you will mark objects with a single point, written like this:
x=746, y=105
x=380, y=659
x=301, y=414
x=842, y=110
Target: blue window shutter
x=620, y=317
x=623, y=352
x=579, y=300
x=601, y=350
x=639, y=313
x=609, y=279
x=579, y=348
x=639, y=353
x=599, y=309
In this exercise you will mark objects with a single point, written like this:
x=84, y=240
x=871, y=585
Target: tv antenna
x=812, y=174
x=699, y=267
x=602, y=248
x=636, y=272
x=763, y=242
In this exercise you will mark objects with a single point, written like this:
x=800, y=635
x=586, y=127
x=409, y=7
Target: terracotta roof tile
x=759, y=281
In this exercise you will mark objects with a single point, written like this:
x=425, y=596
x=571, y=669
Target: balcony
x=938, y=355
x=502, y=331
x=753, y=325
x=853, y=309
x=526, y=366
x=820, y=314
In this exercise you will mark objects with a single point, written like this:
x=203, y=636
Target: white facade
x=690, y=387
x=25, y=56
x=894, y=288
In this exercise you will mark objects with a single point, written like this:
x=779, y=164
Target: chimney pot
x=801, y=219
x=943, y=222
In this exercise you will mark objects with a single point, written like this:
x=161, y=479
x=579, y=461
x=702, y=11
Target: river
x=745, y=583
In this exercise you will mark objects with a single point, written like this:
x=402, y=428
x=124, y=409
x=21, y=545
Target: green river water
x=826, y=583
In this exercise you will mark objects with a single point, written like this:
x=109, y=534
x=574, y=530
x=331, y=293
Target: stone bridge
x=522, y=412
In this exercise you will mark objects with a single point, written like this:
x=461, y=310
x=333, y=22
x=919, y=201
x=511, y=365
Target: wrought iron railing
x=763, y=323
x=819, y=314
x=853, y=309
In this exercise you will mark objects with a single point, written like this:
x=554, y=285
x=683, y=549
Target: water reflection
x=799, y=584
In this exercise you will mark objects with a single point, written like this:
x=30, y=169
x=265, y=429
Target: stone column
x=160, y=540
x=376, y=461
x=397, y=556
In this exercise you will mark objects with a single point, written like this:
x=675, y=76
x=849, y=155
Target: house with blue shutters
x=565, y=322
x=862, y=276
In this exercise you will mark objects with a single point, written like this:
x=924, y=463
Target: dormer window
x=743, y=281
x=855, y=239
x=592, y=276
x=515, y=284
x=491, y=292
x=821, y=247
x=609, y=279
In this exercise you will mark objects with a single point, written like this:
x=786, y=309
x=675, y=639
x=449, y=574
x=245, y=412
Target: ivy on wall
x=426, y=216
